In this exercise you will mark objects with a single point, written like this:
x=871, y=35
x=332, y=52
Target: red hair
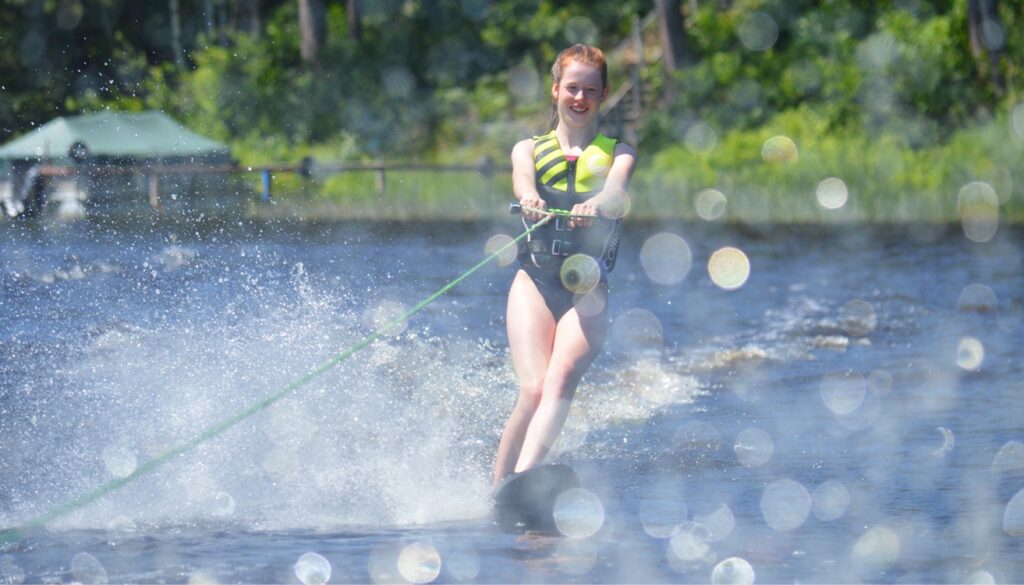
x=584, y=54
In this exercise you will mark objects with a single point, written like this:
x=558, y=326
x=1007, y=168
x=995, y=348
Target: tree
x=313, y=28
x=674, y=49
x=987, y=36
x=355, y=24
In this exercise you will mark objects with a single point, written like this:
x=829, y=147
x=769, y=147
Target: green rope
x=13, y=534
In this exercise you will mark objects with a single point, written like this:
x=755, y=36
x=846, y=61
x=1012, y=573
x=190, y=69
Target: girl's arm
x=611, y=201
x=524, y=180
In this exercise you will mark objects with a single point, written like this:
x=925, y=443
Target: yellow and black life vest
x=562, y=182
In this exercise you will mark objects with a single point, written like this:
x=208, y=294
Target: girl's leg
x=531, y=333
x=577, y=342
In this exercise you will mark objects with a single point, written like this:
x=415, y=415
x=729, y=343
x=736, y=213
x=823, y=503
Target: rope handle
x=551, y=211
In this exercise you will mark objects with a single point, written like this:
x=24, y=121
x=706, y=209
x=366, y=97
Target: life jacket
x=563, y=182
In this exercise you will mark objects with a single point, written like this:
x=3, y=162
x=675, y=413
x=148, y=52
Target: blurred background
x=753, y=103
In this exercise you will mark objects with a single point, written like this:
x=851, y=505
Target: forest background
x=751, y=110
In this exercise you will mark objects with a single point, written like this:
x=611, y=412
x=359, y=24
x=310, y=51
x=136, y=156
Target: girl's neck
x=574, y=140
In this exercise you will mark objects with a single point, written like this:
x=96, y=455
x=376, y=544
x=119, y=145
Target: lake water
x=846, y=411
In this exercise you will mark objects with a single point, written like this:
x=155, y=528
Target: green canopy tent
x=105, y=141
x=112, y=135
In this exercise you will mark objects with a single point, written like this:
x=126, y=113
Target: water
x=846, y=411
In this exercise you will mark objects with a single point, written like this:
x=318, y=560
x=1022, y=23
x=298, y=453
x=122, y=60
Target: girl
x=557, y=316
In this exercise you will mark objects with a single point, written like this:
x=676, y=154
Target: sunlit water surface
x=774, y=404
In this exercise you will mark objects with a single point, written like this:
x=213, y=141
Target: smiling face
x=578, y=94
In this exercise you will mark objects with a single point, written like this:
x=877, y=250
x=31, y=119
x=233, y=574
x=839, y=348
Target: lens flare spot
x=689, y=542
x=980, y=578
x=701, y=138
x=733, y=571
x=710, y=204
x=880, y=382
x=523, y=82
x=876, y=549
x=729, y=268
x=578, y=513
x=758, y=31
x=419, y=562
x=617, y=207
x=503, y=246
x=660, y=515
x=830, y=501
x=88, y=570
x=977, y=298
x=970, y=353
x=843, y=393
x=785, y=505
x=463, y=564
x=637, y=330
x=580, y=273
x=753, y=447
x=223, y=504
x=575, y=556
x=666, y=258
x=388, y=318
x=1013, y=517
x=858, y=318
x=591, y=303
x=832, y=193
x=201, y=578
x=720, y=523
x=580, y=29
x=120, y=460
x=313, y=569
x=779, y=149
x=978, y=207
x=1010, y=458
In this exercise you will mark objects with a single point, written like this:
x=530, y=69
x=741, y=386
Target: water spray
x=13, y=534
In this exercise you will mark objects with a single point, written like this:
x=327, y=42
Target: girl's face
x=579, y=94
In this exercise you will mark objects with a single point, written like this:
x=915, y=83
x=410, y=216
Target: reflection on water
x=774, y=404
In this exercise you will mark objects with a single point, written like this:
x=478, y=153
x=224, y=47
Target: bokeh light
x=689, y=542
x=666, y=258
x=591, y=303
x=124, y=536
x=758, y=31
x=523, y=82
x=398, y=82
x=830, y=500
x=785, y=505
x=616, y=207
x=201, y=578
x=578, y=513
x=88, y=570
x=119, y=460
x=580, y=273
x=313, y=569
x=223, y=504
x=580, y=29
x=978, y=207
x=387, y=318
x=637, y=330
x=843, y=393
x=504, y=243
x=419, y=562
x=463, y=564
x=1013, y=517
x=733, y=571
x=977, y=298
x=876, y=550
x=576, y=556
x=832, y=193
x=1010, y=458
x=970, y=354
x=980, y=578
x=948, y=442
x=659, y=516
x=700, y=138
x=779, y=149
x=880, y=382
x=729, y=268
x=720, y=522
x=1017, y=122
x=858, y=318
x=753, y=447
x=710, y=204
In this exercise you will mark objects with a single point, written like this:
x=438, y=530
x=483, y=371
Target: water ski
x=526, y=500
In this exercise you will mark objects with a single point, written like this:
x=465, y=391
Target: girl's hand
x=533, y=208
x=588, y=208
